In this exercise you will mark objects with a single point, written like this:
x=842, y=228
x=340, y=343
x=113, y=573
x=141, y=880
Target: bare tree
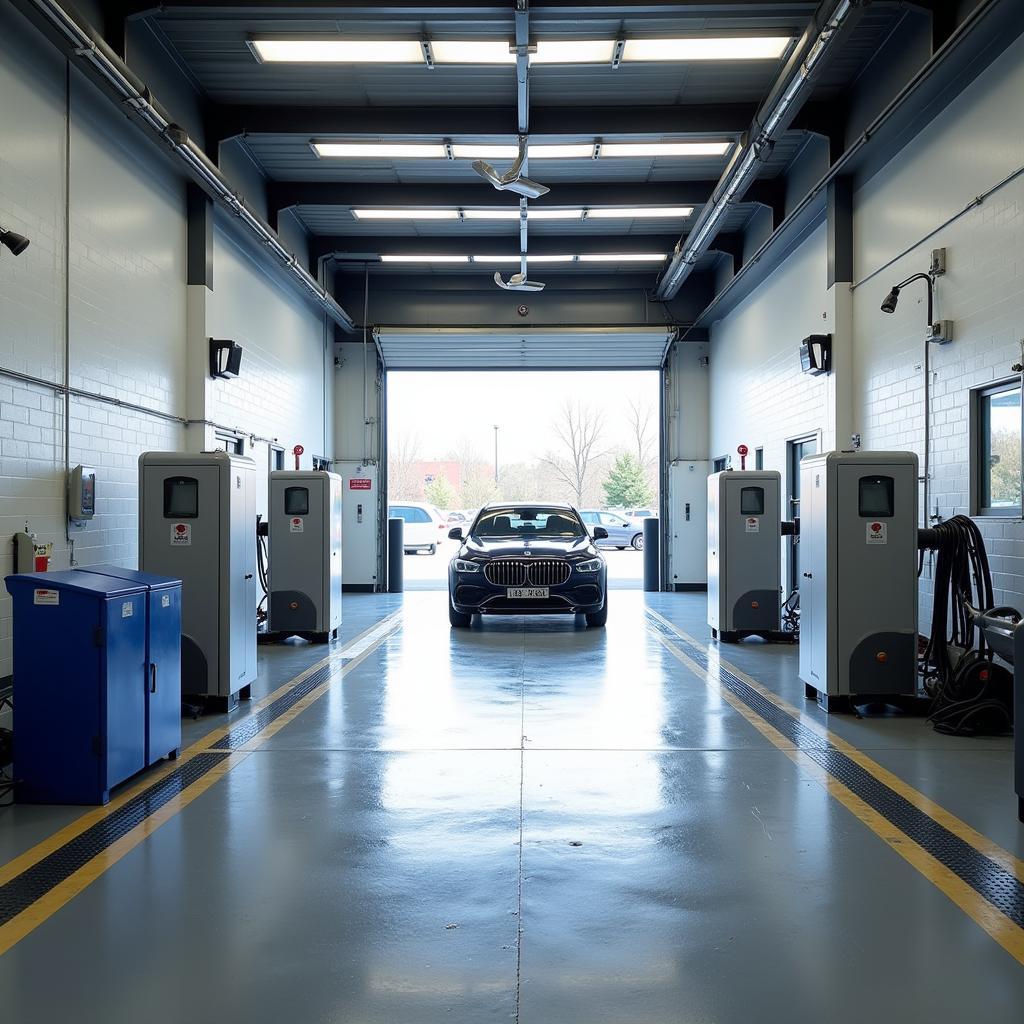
x=579, y=429
x=403, y=455
x=639, y=417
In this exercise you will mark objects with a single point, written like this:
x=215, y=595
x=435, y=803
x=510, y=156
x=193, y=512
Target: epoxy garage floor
x=528, y=821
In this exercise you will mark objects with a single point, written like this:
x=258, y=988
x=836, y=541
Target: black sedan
x=532, y=559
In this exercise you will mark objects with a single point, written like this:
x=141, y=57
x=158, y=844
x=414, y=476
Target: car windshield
x=528, y=521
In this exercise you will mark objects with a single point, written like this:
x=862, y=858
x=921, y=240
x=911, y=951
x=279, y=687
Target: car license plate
x=526, y=593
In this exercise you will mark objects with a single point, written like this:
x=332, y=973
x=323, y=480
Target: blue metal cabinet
x=163, y=657
x=79, y=685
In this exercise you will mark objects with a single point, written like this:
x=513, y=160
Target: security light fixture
x=225, y=358
x=816, y=354
x=338, y=51
x=632, y=212
x=381, y=150
x=512, y=180
x=644, y=149
x=939, y=331
x=15, y=242
x=431, y=214
x=706, y=48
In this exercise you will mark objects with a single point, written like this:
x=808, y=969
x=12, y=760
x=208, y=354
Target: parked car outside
x=527, y=558
x=622, y=532
x=640, y=513
x=425, y=527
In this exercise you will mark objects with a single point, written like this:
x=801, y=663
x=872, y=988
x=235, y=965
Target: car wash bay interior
x=526, y=819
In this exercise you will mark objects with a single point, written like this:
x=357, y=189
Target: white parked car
x=425, y=527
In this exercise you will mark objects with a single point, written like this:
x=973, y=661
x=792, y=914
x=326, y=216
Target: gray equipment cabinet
x=858, y=586
x=744, y=553
x=197, y=522
x=305, y=553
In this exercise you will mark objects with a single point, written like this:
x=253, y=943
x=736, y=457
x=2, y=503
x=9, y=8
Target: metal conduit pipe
x=84, y=43
x=832, y=20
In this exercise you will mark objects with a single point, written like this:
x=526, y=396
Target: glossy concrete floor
x=526, y=821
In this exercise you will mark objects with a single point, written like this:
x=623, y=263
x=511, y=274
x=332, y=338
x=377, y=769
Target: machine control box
x=305, y=569
x=744, y=553
x=858, y=585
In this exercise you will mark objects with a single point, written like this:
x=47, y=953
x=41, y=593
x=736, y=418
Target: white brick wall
x=127, y=315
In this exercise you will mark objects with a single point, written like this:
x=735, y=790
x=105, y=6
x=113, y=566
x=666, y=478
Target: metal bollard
x=396, y=553
x=652, y=554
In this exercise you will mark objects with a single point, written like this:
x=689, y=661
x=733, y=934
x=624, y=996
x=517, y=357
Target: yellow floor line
x=18, y=927
x=1006, y=932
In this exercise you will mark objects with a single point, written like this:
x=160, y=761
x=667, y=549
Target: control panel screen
x=296, y=501
x=752, y=501
x=181, y=497
x=875, y=499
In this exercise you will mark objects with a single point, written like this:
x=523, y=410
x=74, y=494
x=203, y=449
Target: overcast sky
x=445, y=409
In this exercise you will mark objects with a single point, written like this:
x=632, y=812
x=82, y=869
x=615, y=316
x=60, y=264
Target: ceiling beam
x=727, y=120
x=282, y=195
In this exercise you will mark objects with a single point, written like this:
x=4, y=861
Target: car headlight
x=461, y=565
x=590, y=565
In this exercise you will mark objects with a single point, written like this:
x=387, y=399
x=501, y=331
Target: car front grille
x=518, y=572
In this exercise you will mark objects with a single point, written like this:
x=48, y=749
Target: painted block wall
x=99, y=201
x=758, y=394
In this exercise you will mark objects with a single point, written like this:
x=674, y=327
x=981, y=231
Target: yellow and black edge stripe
x=984, y=880
x=209, y=759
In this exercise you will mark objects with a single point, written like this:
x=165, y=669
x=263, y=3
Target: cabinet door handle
x=152, y=677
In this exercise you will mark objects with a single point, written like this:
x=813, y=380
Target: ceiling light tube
x=623, y=257
x=483, y=151
x=380, y=150
x=652, y=149
x=632, y=212
x=432, y=214
x=706, y=48
x=530, y=259
x=573, y=51
x=416, y=258
x=472, y=51
x=338, y=51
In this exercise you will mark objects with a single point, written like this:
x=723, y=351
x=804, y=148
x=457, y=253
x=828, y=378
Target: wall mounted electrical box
x=688, y=523
x=197, y=522
x=858, y=586
x=81, y=494
x=305, y=569
x=744, y=553
x=360, y=532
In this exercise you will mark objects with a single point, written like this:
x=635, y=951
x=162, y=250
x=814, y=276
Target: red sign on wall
x=359, y=485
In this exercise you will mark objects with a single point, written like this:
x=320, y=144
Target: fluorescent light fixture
x=706, y=48
x=555, y=214
x=632, y=212
x=415, y=258
x=338, y=51
x=511, y=213
x=434, y=214
x=471, y=51
x=623, y=257
x=573, y=51
x=529, y=259
x=381, y=150
x=474, y=151
x=613, y=149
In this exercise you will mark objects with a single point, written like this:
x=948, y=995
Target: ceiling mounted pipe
x=83, y=43
x=831, y=22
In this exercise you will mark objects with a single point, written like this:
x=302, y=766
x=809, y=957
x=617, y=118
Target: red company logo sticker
x=876, y=527
x=181, y=529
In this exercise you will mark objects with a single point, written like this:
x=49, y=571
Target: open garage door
x=478, y=348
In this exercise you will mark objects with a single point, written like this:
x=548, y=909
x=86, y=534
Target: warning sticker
x=753, y=524
x=165, y=601
x=356, y=484
x=181, y=535
x=878, y=533
x=127, y=610
x=46, y=597
x=296, y=524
